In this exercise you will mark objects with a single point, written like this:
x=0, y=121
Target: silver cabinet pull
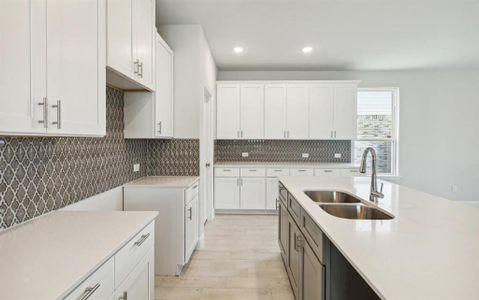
x=124, y=296
x=194, y=187
x=190, y=213
x=328, y=171
x=140, y=67
x=159, y=127
x=335, y=134
x=298, y=245
x=44, y=103
x=277, y=203
x=58, y=122
x=136, y=66
x=89, y=291
x=141, y=240
x=241, y=133
x=252, y=170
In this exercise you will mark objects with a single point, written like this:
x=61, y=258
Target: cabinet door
x=227, y=193
x=275, y=111
x=252, y=111
x=120, y=36
x=313, y=275
x=22, y=79
x=140, y=282
x=294, y=261
x=283, y=232
x=272, y=193
x=297, y=111
x=253, y=193
x=143, y=40
x=321, y=111
x=345, y=111
x=76, y=67
x=228, y=111
x=191, y=228
x=164, y=89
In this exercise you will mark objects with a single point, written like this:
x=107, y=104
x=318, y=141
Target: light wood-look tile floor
x=240, y=260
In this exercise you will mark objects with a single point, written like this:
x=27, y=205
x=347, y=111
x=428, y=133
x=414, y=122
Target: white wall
x=439, y=124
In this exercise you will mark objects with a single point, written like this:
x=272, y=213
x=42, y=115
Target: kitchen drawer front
x=129, y=256
x=313, y=234
x=321, y=172
x=192, y=192
x=351, y=172
x=253, y=172
x=227, y=172
x=302, y=172
x=283, y=195
x=294, y=208
x=99, y=285
x=272, y=172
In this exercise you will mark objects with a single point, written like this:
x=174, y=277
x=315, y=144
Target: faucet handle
x=378, y=194
x=381, y=188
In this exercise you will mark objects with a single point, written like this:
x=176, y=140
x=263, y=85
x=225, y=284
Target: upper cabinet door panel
x=345, y=111
x=143, y=39
x=76, y=64
x=321, y=111
x=252, y=111
x=275, y=111
x=19, y=24
x=120, y=42
x=297, y=111
x=228, y=111
x=164, y=90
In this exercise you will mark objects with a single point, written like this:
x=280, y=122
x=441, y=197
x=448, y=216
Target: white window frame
x=395, y=130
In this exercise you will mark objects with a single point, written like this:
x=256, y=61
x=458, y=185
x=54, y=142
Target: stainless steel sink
x=331, y=197
x=356, y=212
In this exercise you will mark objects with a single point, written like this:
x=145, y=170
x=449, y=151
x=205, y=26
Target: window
x=378, y=127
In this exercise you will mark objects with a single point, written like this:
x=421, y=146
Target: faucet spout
x=374, y=194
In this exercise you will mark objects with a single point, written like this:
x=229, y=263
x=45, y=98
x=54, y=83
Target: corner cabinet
x=150, y=115
x=287, y=110
x=56, y=85
x=131, y=44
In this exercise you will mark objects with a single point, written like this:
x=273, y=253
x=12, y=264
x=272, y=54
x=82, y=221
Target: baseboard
x=246, y=212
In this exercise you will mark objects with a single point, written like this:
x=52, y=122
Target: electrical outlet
x=454, y=188
x=337, y=155
x=136, y=168
x=305, y=155
x=244, y=154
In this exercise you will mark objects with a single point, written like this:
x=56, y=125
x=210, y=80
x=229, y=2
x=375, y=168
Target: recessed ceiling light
x=307, y=49
x=238, y=50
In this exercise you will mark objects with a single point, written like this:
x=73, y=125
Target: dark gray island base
x=316, y=268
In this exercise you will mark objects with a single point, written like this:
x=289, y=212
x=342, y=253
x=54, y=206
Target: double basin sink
x=346, y=206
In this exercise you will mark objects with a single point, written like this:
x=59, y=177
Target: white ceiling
x=345, y=34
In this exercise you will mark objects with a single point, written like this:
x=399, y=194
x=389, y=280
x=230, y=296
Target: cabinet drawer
x=302, y=172
x=227, y=172
x=322, y=172
x=351, y=172
x=294, y=208
x=313, y=234
x=191, y=192
x=253, y=172
x=277, y=172
x=283, y=195
x=129, y=256
x=100, y=284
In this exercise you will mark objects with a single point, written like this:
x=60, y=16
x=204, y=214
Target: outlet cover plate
x=337, y=155
x=136, y=168
x=305, y=155
x=244, y=154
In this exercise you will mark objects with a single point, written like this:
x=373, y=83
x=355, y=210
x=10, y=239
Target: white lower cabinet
x=272, y=185
x=252, y=193
x=128, y=274
x=227, y=193
x=177, y=225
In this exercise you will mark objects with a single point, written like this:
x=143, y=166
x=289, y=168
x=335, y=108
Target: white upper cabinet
x=252, y=111
x=321, y=111
x=345, y=111
x=150, y=115
x=164, y=89
x=131, y=44
x=275, y=111
x=297, y=110
x=54, y=85
x=21, y=93
x=228, y=111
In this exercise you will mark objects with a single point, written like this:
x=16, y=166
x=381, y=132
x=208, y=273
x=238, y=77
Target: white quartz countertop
x=428, y=251
x=249, y=164
x=164, y=181
x=47, y=257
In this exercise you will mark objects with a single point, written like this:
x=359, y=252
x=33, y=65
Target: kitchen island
x=427, y=251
